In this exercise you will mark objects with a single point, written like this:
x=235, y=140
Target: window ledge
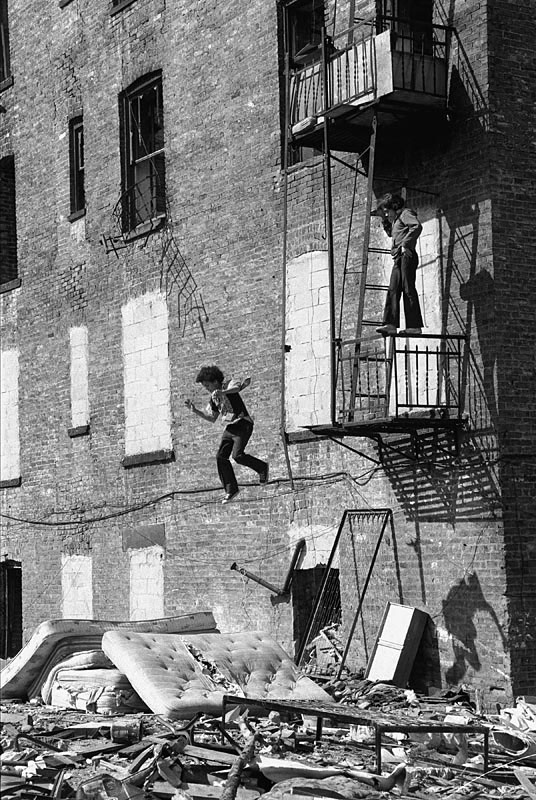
x=120, y=6
x=10, y=285
x=79, y=430
x=77, y=215
x=6, y=84
x=152, y=225
x=140, y=459
x=11, y=483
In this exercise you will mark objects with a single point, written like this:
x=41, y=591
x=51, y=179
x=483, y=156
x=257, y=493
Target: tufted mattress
x=178, y=675
x=88, y=681
x=56, y=639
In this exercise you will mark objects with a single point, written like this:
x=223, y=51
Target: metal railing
x=423, y=374
x=351, y=75
x=418, y=63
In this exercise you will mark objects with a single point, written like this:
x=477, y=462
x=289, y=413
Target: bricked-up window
x=5, y=67
x=8, y=221
x=142, y=138
x=76, y=165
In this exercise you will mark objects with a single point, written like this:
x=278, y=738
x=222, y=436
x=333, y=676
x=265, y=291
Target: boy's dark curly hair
x=209, y=374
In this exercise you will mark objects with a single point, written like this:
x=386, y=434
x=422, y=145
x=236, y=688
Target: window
x=142, y=136
x=411, y=20
x=304, y=20
x=8, y=222
x=76, y=163
x=5, y=67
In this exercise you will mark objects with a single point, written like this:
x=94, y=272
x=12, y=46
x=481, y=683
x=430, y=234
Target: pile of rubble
x=53, y=754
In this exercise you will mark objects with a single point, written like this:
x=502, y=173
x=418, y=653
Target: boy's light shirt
x=220, y=406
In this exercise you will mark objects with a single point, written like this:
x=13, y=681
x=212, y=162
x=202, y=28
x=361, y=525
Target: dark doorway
x=10, y=608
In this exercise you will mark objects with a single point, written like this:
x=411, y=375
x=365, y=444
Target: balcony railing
x=369, y=67
x=419, y=375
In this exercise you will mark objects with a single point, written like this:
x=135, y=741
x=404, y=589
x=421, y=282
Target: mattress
x=56, y=639
x=88, y=681
x=180, y=675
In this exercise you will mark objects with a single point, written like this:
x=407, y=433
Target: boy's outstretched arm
x=209, y=417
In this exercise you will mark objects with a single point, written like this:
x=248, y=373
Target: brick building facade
x=142, y=147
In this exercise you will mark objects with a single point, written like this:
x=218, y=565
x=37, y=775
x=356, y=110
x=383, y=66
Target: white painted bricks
x=9, y=407
x=79, y=377
x=147, y=583
x=76, y=587
x=146, y=374
x=307, y=373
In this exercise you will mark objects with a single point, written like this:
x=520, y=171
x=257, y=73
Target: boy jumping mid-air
x=225, y=402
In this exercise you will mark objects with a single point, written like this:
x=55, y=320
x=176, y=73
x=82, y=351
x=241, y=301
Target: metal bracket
x=283, y=593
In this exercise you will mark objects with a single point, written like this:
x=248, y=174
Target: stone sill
x=142, y=459
x=6, y=84
x=77, y=215
x=79, y=430
x=145, y=228
x=10, y=285
x=120, y=6
x=11, y=483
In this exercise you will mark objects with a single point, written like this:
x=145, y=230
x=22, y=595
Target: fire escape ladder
x=364, y=286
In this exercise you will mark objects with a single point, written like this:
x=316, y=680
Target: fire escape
x=341, y=92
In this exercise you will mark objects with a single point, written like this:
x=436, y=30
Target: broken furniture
x=179, y=675
x=56, y=639
x=380, y=722
x=398, y=640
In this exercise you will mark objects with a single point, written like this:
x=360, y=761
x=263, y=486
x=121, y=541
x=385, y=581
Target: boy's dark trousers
x=402, y=282
x=233, y=443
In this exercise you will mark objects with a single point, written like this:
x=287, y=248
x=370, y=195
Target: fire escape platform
x=372, y=428
x=349, y=124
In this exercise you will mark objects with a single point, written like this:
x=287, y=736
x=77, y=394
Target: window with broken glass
x=142, y=138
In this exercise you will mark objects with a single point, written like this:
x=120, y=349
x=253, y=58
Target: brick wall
x=223, y=156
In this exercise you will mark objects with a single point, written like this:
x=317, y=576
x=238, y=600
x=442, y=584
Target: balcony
x=389, y=72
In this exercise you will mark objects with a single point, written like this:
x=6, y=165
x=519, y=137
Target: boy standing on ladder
x=403, y=226
x=225, y=402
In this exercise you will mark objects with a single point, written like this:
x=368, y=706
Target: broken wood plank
x=207, y=754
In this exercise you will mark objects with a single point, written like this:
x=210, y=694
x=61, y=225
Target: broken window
x=8, y=221
x=5, y=67
x=76, y=163
x=142, y=139
x=305, y=20
x=10, y=608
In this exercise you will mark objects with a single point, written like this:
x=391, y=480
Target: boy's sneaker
x=263, y=476
x=387, y=330
x=229, y=496
x=410, y=332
